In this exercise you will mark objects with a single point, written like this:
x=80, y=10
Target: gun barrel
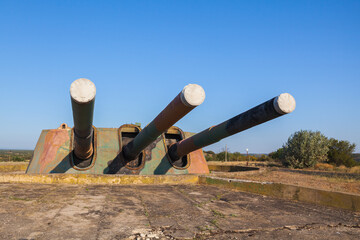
x=82, y=92
x=190, y=97
x=275, y=107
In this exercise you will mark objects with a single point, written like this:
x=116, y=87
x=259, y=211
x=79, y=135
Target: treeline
x=303, y=149
x=307, y=148
x=235, y=156
x=15, y=155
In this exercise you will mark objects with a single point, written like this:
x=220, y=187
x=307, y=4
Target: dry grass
x=298, y=179
x=355, y=169
x=226, y=163
x=244, y=163
x=342, y=168
x=318, y=166
x=324, y=166
x=338, y=184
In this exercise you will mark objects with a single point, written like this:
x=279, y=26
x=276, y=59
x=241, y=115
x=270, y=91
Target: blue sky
x=140, y=54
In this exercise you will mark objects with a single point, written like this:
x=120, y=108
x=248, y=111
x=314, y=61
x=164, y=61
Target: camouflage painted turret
x=159, y=148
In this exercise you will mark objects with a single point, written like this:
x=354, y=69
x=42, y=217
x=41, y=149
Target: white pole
x=247, y=157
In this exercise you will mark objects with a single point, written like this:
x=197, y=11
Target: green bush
x=265, y=158
x=278, y=155
x=17, y=159
x=305, y=148
x=340, y=153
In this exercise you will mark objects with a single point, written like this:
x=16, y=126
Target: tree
x=340, y=153
x=209, y=152
x=278, y=154
x=220, y=156
x=210, y=156
x=236, y=156
x=265, y=158
x=305, y=148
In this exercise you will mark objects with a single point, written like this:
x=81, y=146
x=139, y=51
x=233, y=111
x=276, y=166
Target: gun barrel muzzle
x=275, y=107
x=82, y=92
x=190, y=97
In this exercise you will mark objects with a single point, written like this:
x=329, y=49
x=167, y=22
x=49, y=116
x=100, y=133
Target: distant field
x=15, y=155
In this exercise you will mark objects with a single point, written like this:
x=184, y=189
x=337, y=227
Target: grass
x=18, y=199
x=144, y=207
x=324, y=167
x=218, y=196
x=217, y=214
x=204, y=228
x=339, y=184
x=332, y=168
x=355, y=169
x=214, y=222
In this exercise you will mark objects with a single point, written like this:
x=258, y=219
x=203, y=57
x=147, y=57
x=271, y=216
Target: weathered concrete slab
x=291, y=192
x=54, y=211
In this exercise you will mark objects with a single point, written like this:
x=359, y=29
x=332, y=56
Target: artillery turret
x=159, y=148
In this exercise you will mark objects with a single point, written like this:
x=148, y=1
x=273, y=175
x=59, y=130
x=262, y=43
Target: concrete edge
x=289, y=192
x=230, y=168
x=98, y=179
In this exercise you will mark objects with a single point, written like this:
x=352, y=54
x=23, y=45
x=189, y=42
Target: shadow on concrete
x=63, y=165
x=115, y=165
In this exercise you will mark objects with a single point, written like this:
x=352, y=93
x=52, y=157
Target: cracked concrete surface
x=57, y=211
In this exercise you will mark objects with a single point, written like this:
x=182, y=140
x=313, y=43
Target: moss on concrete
x=321, y=197
x=98, y=179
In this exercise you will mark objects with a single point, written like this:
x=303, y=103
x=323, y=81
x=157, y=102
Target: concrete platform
x=284, y=191
x=65, y=211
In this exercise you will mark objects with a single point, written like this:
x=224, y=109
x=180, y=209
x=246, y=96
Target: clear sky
x=140, y=54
